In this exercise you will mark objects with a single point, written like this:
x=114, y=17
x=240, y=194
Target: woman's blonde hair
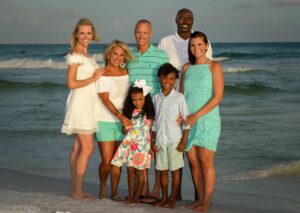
x=112, y=45
x=82, y=22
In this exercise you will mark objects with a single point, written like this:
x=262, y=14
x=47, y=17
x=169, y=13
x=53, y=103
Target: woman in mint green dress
x=202, y=83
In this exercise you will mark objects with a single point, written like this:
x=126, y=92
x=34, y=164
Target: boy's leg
x=176, y=164
x=175, y=188
x=164, y=183
x=179, y=196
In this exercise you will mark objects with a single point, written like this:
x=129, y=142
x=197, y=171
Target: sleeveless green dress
x=198, y=89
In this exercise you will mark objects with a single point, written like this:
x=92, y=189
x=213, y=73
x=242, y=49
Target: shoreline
x=24, y=192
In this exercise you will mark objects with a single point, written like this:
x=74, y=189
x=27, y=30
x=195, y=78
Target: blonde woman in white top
x=112, y=89
x=82, y=103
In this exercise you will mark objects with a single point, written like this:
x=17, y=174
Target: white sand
x=27, y=193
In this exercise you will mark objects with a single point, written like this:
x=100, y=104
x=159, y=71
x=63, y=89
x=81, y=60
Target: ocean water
x=260, y=112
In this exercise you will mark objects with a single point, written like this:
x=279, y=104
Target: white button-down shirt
x=167, y=109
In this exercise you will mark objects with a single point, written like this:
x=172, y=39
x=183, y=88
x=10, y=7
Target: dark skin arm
x=182, y=144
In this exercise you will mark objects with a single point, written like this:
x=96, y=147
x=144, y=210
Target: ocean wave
x=33, y=63
x=44, y=85
x=29, y=63
x=249, y=88
x=239, y=69
x=290, y=169
x=239, y=55
x=221, y=59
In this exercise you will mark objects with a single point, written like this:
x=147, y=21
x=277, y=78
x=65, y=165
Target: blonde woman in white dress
x=82, y=103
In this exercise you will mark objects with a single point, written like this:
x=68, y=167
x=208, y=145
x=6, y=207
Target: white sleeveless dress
x=82, y=107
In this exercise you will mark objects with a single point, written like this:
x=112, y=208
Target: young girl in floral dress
x=134, y=150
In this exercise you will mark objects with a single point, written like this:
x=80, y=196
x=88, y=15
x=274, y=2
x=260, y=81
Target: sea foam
x=290, y=169
x=32, y=63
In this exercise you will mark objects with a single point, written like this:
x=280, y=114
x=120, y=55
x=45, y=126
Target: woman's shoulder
x=74, y=57
x=215, y=66
x=185, y=67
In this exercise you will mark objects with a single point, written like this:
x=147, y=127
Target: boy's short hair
x=166, y=69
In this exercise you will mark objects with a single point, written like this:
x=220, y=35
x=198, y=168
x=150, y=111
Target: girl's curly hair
x=128, y=107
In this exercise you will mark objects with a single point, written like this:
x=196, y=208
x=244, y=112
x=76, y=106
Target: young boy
x=168, y=141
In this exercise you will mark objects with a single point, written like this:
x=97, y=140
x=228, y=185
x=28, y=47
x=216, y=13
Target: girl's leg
x=106, y=150
x=207, y=165
x=145, y=191
x=86, y=144
x=115, y=174
x=193, y=157
x=140, y=184
x=131, y=183
x=73, y=158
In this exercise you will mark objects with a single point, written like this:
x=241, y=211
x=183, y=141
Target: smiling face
x=138, y=100
x=184, y=21
x=143, y=34
x=167, y=82
x=116, y=57
x=84, y=36
x=198, y=47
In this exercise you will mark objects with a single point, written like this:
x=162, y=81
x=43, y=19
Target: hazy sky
x=52, y=21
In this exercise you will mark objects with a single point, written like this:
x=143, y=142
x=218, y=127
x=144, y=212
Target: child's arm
x=153, y=137
x=186, y=128
x=153, y=143
x=182, y=144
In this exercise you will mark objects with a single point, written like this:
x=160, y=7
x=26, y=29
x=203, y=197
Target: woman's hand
x=98, y=73
x=191, y=119
x=126, y=122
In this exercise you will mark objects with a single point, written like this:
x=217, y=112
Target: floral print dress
x=135, y=147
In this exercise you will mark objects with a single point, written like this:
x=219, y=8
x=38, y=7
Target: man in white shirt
x=176, y=45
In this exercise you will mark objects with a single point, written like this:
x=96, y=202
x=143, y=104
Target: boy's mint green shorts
x=168, y=158
x=109, y=131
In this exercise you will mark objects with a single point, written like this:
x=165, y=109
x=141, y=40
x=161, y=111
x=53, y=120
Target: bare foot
x=170, y=204
x=83, y=196
x=202, y=208
x=160, y=203
x=194, y=205
x=155, y=193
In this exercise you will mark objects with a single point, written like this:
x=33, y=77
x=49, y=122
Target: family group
x=148, y=104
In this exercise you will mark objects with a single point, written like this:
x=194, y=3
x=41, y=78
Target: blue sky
x=52, y=21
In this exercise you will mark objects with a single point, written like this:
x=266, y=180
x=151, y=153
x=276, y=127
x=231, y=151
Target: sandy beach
x=23, y=192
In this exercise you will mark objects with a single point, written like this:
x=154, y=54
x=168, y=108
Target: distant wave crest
x=16, y=85
x=239, y=69
x=32, y=63
x=290, y=169
x=29, y=63
x=253, y=87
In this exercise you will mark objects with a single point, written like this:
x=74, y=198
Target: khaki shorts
x=168, y=158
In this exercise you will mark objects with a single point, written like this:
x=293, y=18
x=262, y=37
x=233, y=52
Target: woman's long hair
x=195, y=34
x=128, y=107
